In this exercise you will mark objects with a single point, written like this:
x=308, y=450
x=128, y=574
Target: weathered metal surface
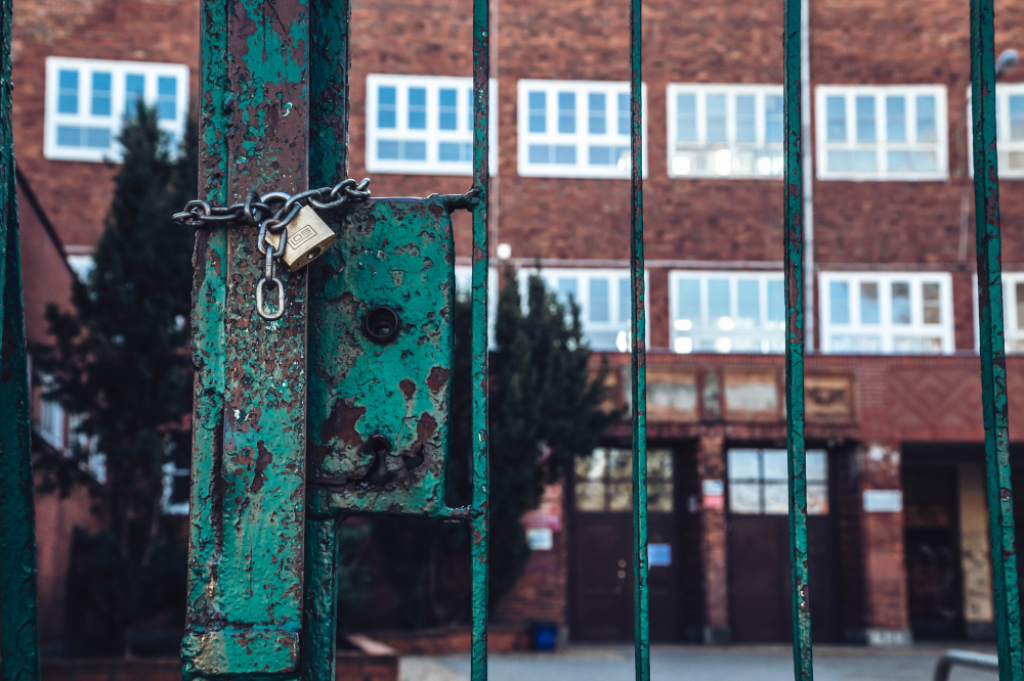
x=479, y=519
x=993, y=352
x=793, y=244
x=641, y=610
x=248, y=494
x=329, y=61
x=19, y=626
x=381, y=360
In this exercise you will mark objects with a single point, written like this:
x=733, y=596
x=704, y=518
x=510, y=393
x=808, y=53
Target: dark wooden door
x=601, y=548
x=758, y=543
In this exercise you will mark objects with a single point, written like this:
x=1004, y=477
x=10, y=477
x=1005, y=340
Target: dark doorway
x=932, y=545
x=601, y=599
x=759, y=576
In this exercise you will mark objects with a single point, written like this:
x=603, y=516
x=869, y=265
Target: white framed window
x=423, y=125
x=1009, y=131
x=887, y=312
x=52, y=425
x=1013, y=312
x=603, y=296
x=724, y=130
x=87, y=101
x=759, y=481
x=892, y=132
x=576, y=128
x=717, y=311
x=464, y=289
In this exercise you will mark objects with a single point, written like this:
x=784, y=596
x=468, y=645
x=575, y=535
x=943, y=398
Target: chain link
x=271, y=213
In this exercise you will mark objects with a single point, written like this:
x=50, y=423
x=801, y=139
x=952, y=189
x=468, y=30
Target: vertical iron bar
x=19, y=622
x=329, y=65
x=479, y=519
x=794, y=272
x=641, y=621
x=993, y=352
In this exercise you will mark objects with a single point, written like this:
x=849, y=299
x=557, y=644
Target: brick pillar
x=714, y=556
x=886, y=620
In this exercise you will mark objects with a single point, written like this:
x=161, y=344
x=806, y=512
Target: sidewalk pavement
x=614, y=662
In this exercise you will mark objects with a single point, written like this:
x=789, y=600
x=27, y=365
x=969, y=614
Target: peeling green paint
x=992, y=343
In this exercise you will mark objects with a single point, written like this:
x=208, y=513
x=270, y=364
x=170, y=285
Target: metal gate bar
x=993, y=350
x=19, y=628
x=793, y=257
x=641, y=614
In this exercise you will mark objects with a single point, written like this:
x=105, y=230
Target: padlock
x=308, y=238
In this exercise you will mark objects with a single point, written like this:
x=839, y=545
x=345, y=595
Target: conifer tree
x=120, y=363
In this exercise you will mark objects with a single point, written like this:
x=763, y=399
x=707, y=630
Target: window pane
x=449, y=151
x=744, y=498
x=1019, y=291
x=620, y=464
x=386, y=116
x=471, y=109
x=592, y=467
x=776, y=498
x=387, y=149
x=869, y=311
x=748, y=301
x=69, y=136
x=659, y=496
x=448, y=104
x=134, y=91
x=414, y=151
x=599, y=302
x=67, y=96
x=590, y=496
x=686, y=118
x=901, y=303
x=565, y=155
x=689, y=300
x=625, y=301
x=538, y=112
x=597, y=114
x=865, y=119
x=932, y=311
x=624, y=114
x=836, y=112
x=839, y=302
x=773, y=118
x=744, y=464
x=567, y=112
x=1017, y=117
x=776, y=301
x=417, y=108
x=817, y=466
x=746, y=121
x=166, y=102
x=715, y=105
x=659, y=464
x=620, y=496
x=539, y=153
x=718, y=299
x=566, y=290
x=101, y=94
x=776, y=466
x=817, y=499
x=97, y=138
x=926, y=118
x=895, y=119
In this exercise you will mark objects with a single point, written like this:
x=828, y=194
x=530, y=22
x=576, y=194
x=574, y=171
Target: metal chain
x=271, y=213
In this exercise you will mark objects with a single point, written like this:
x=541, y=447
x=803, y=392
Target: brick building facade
x=894, y=415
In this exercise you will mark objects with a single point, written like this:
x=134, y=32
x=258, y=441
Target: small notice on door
x=883, y=500
x=659, y=555
x=713, y=493
x=540, y=538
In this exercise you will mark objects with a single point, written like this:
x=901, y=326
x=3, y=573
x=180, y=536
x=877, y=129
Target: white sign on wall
x=540, y=538
x=883, y=500
x=659, y=555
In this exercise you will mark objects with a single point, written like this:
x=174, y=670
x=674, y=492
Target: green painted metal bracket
x=19, y=625
x=993, y=350
x=381, y=361
x=248, y=488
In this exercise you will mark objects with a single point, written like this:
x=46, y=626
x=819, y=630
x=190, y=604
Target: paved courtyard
x=682, y=663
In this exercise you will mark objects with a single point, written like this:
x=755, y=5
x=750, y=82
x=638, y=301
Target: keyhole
x=379, y=444
x=379, y=475
x=382, y=324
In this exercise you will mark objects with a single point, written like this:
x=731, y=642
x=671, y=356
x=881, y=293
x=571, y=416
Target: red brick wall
x=714, y=538
x=77, y=195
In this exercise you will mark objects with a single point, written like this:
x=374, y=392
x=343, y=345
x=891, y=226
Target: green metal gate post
x=641, y=618
x=249, y=450
x=793, y=255
x=19, y=628
x=993, y=350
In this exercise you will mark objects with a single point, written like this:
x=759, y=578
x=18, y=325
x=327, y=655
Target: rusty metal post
x=248, y=470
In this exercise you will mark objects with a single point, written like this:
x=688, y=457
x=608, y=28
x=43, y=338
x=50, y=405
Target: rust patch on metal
x=342, y=424
x=409, y=388
x=438, y=378
x=259, y=478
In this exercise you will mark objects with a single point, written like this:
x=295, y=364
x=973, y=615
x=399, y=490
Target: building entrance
x=601, y=600
x=759, y=580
